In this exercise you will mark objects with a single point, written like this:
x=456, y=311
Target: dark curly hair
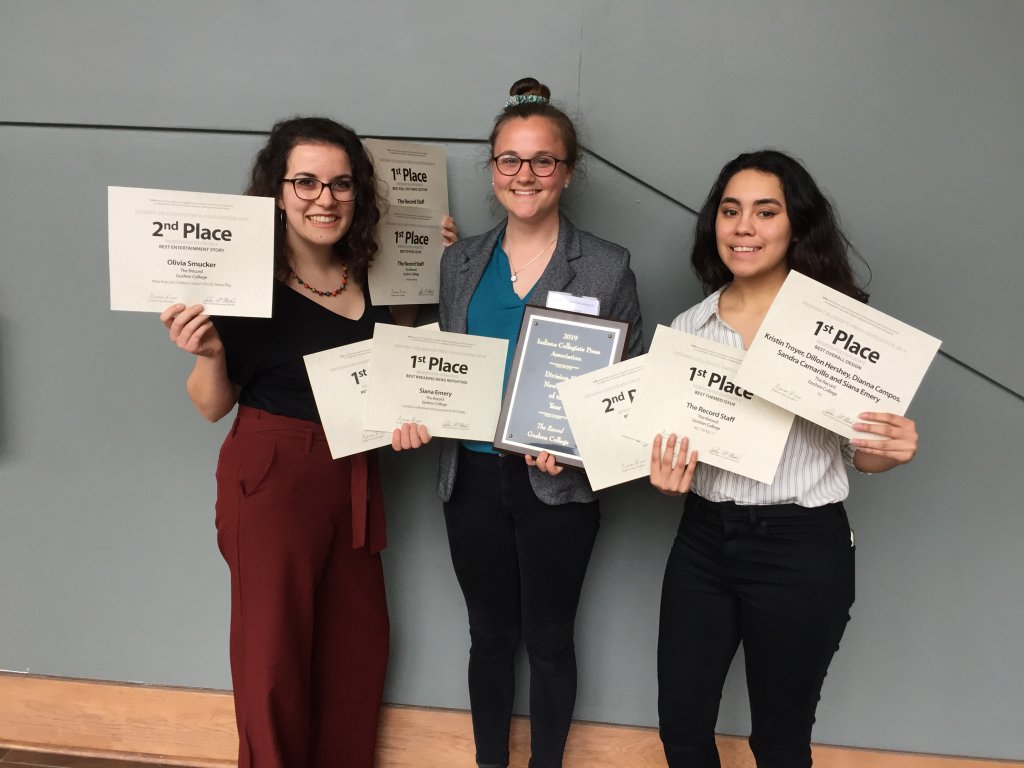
x=357, y=248
x=566, y=129
x=819, y=249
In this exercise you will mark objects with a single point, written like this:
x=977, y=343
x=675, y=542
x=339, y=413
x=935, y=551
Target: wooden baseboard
x=197, y=728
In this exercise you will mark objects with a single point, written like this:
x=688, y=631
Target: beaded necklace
x=326, y=294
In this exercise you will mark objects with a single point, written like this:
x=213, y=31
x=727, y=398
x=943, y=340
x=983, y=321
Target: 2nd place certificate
x=828, y=357
x=190, y=247
x=597, y=404
x=449, y=382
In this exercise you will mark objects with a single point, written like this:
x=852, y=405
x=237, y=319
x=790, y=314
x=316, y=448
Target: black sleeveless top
x=264, y=355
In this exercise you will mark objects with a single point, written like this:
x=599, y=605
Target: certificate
x=407, y=268
x=190, y=247
x=449, y=382
x=554, y=346
x=339, y=378
x=415, y=175
x=828, y=357
x=597, y=405
x=414, y=180
x=689, y=387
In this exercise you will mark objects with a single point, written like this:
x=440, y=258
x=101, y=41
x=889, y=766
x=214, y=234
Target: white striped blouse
x=811, y=472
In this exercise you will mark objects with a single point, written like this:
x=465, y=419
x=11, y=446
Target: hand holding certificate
x=828, y=357
x=449, y=382
x=689, y=388
x=597, y=405
x=190, y=248
x=339, y=378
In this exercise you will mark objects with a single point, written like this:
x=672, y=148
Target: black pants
x=520, y=563
x=779, y=579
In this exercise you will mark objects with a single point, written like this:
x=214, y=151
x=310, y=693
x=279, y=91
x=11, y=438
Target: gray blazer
x=581, y=264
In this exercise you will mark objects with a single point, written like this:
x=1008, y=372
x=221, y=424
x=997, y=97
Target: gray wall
x=908, y=113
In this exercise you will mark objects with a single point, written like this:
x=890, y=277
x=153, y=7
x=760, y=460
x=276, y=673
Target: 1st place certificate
x=167, y=247
x=689, y=387
x=449, y=382
x=828, y=357
x=597, y=404
x=407, y=268
x=339, y=378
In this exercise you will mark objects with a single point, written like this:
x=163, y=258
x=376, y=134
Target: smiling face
x=752, y=228
x=527, y=197
x=322, y=222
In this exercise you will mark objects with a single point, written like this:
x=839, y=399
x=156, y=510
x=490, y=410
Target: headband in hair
x=527, y=98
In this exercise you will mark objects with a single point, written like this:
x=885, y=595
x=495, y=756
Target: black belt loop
x=759, y=528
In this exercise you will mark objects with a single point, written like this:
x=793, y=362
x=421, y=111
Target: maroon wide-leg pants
x=309, y=624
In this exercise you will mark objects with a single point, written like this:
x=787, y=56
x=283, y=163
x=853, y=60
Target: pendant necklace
x=515, y=272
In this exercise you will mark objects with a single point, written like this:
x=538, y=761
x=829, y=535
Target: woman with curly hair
x=301, y=533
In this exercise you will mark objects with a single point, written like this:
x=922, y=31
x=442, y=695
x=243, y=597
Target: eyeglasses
x=541, y=165
x=307, y=188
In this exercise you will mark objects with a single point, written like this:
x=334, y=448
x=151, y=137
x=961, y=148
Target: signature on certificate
x=835, y=415
x=219, y=301
x=786, y=392
x=724, y=454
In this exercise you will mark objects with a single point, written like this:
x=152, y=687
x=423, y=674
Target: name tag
x=573, y=302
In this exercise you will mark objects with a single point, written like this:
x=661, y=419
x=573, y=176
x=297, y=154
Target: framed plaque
x=554, y=346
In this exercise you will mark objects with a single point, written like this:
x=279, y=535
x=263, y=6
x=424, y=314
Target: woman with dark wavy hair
x=818, y=248
x=358, y=245
x=768, y=565
x=301, y=533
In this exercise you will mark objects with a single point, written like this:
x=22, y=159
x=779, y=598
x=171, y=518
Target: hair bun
x=528, y=90
x=528, y=86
